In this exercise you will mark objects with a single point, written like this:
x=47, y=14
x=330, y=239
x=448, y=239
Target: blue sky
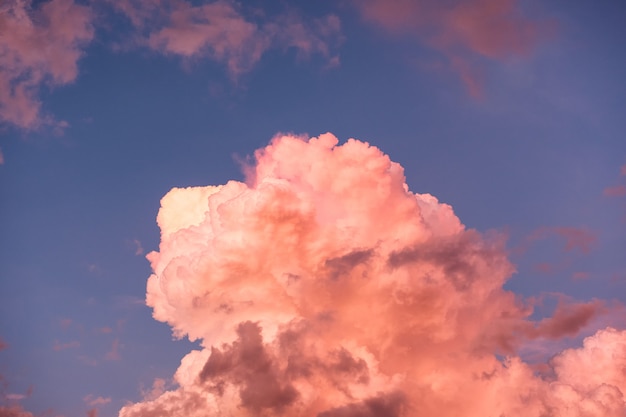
x=532, y=144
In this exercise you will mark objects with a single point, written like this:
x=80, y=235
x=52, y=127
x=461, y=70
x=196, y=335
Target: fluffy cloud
x=219, y=30
x=38, y=46
x=462, y=30
x=324, y=287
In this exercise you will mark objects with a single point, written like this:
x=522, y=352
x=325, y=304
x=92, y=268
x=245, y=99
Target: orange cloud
x=324, y=287
x=39, y=46
x=462, y=30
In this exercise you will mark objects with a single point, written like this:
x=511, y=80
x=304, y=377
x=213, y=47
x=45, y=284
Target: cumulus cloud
x=221, y=31
x=322, y=286
x=462, y=30
x=38, y=46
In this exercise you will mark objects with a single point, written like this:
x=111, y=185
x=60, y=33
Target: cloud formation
x=38, y=46
x=42, y=42
x=324, y=287
x=463, y=31
x=221, y=31
x=617, y=190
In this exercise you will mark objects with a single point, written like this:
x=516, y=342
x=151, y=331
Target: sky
x=332, y=208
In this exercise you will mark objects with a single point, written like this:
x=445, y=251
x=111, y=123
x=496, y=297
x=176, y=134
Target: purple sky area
x=511, y=112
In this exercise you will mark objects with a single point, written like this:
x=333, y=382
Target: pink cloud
x=544, y=268
x=580, y=275
x=1, y=157
x=3, y=344
x=93, y=401
x=10, y=401
x=574, y=238
x=58, y=346
x=104, y=330
x=220, y=31
x=14, y=411
x=66, y=323
x=159, y=387
x=615, y=191
x=322, y=286
x=568, y=319
x=138, y=247
x=38, y=46
x=114, y=353
x=462, y=31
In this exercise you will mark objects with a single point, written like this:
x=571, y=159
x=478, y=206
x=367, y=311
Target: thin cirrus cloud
x=38, y=47
x=220, y=31
x=315, y=310
x=462, y=31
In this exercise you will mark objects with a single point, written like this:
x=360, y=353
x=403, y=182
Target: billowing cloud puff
x=219, y=30
x=324, y=287
x=38, y=46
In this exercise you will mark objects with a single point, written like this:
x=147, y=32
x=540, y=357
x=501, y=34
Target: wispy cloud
x=96, y=401
x=39, y=46
x=617, y=190
x=577, y=239
x=114, y=353
x=463, y=31
x=58, y=346
x=138, y=247
x=226, y=32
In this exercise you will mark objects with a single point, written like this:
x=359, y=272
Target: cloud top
x=322, y=286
